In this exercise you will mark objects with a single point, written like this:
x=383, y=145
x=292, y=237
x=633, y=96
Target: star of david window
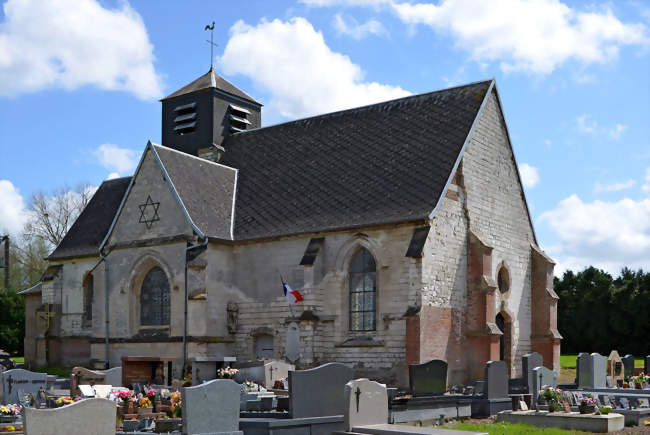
x=149, y=212
x=154, y=299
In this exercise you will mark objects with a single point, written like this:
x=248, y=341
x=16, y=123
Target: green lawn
x=510, y=429
x=59, y=372
x=18, y=359
x=569, y=361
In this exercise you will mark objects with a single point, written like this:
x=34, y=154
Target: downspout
x=106, y=308
x=187, y=250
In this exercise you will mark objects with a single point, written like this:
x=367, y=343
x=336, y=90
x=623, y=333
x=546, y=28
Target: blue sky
x=80, y=82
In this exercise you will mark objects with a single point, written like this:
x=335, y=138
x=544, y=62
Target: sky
x=80, y=83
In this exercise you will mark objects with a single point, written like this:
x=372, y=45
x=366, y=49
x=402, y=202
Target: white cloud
x=529, y=175
x=303, y=75
x=521, y=35
x=585, y=125
x=12, y=212
x=358, y=31
x=72, y=43
x=608, y=235
x=646, y=186
x=114, y=158
x=547, y=142
x=614, y=187
x=113, y=175
x=616, y=131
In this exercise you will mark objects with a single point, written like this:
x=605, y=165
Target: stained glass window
x=363, y=291
x=154, y=299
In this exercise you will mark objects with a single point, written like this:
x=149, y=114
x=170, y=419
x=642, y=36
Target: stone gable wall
x=497, y=211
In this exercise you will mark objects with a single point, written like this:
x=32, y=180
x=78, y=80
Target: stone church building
x=403, y=224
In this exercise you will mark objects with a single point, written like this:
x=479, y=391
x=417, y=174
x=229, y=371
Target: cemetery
x=263, y=397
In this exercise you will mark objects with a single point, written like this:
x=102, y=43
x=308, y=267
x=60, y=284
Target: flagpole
x=285, y=289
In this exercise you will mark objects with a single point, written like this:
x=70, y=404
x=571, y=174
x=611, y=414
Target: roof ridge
x=360, y=108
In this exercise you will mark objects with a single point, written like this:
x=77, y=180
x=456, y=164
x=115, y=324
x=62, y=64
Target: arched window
x=363, y=291
x=88, y=290
x=154, y=299
x=503, y=280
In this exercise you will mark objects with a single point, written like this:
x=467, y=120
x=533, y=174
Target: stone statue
x=233, y=312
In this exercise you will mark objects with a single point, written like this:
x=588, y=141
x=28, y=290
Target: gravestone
x=615, y=369
x=628, y=365
x=429, y=378
x=542, y=376
x=318, y=392
x=599, y=367
x=19, y=379
x=206, y=368
x=293, y=342
x=646, y=364
x=275, y=371
x=83, y=376
x=496, y=380
x=96, y=416
x=211, y=408
x=366, y=403
x=584, y=370
x=528, y=363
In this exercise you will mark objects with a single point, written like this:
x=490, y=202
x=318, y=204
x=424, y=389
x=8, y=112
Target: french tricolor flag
x=292, y=295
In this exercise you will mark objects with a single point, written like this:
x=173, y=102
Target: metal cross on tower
x=211, y=41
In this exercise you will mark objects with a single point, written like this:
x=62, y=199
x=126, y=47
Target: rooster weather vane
x=212, y=44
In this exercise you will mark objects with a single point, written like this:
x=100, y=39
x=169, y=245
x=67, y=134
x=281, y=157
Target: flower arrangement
x=177, y=404
x=251, y=386
x=126, y=396
x=63, y=401
x=151, y=394
x=227, y=373
x=641, y=378
x=588, y=400
x=552, y=397
x=605, y=410
x=11, y=428
x=144, y=402
x=9, y=409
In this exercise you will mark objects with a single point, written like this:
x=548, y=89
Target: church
x=403, y=224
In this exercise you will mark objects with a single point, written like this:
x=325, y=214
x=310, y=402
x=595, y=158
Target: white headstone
x=101, y=391
x=96, y=416
x=293, y=342
x=87, y=390
x=275, y=371
x=366, y=403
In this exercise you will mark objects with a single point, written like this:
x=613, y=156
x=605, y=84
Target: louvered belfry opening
x=185, y=120
x=238, y=118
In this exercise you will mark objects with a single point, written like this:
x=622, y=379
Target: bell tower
x=199, y=116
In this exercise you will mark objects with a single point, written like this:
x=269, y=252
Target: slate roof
x=383, y=163
x=211, y=80
x=91, y=226
x=205, y=188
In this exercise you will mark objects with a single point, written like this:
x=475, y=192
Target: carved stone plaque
x=293, y=342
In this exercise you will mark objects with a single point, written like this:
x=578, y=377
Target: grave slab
x=74, y=419
x=211, y=408
x=428, y=378
x=318, y=392
x=574, y=421
x=23, y=380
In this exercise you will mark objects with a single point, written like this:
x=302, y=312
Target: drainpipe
x=187, y=251
x=106, y=307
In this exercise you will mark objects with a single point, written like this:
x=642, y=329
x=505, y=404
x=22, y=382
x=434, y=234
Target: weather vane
x=212, y=44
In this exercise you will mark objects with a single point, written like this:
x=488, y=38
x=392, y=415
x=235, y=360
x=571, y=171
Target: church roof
x=91, y=226
x=206, y=189
x=212, y=80
x=384, y=163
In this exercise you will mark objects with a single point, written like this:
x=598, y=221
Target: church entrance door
x=264, y=347
x=501, y=323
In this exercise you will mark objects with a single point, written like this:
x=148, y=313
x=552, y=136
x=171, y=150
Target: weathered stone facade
x=480, y=290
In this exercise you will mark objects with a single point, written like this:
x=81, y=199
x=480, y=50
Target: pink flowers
x=227, y=372
x=151, y=393
x=126, y=396
x=588, y=400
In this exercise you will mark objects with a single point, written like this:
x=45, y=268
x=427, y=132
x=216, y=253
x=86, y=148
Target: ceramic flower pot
x=586, y=409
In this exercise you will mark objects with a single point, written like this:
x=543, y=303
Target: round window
x=503, y=280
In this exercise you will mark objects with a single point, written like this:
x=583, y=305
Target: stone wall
x=497, y=210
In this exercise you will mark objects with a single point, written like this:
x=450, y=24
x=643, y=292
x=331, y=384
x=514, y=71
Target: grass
x=59, y=372
x=568, y=367
x=18, y=359
x=511, y=429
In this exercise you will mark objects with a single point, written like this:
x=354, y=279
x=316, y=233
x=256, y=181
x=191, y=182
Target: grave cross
x=10, y=382
x=358, y=394
x=212, y=44
x=271, y=369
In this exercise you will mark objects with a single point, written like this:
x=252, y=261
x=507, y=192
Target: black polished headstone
x=528, y=363
x=628, y=365
x=496, y=380
x=584, y=370
x=646, y=364
x=318, y=392
x=428, y=378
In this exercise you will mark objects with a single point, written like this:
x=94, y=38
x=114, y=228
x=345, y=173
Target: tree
x=51, y=216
